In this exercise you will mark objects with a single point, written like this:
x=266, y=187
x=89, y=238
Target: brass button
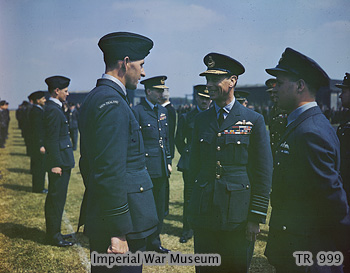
x=238, y=142
x=247, y=186
x=219, y=134
x=218, y=176
x=161, y=146
x=201, y=140
x=148, y=125
x=284, y=228
x=278, y=163
x=160, y=129
x=141, y=189
x=195, y=181
x=146, y=154
x=160, y=138
x=218, y=148
x=140, y=127
x=218, y=162
x=68, y=145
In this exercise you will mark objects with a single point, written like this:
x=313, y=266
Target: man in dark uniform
x=231, y=168
x=343, y=134
x=36, y=119
x=183, y=142
x=152, y=118
x=309, y=206
x=118, y=208
x=277, y=120
x=241, y=97
x=2, y=124
x=73, y=117
x=59, y=159
x=7, y=118
x=165, y=102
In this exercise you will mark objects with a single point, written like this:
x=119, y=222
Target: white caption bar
x=153, y=258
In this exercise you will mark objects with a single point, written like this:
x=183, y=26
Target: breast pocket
x=149, y=131
x=136, y=137
x=237, y=148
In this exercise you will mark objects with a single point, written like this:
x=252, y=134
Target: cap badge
x=211, y=62
x=162, y=81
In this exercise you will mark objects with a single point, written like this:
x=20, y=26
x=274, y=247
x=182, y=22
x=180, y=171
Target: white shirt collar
x=56, y=101
x=39, y=106
x=114, y=79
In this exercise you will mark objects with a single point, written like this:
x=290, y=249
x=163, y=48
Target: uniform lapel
x=308, y=113
x=148, y=109
x=232, y=117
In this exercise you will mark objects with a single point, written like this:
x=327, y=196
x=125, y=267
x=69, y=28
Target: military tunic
x=308, y=200
x=59, y=154
x=155, y=132
x=231, y=168
x=343, y=133
x=36, y=119
x=118, y=199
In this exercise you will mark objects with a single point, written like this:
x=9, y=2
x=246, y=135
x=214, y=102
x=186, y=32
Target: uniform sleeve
x=38, y=129
x=322, y=157
x=52, y=133
x=195, y=154
x=167, y=143
x=112, y=127
x=180, y=136
x=259, y=171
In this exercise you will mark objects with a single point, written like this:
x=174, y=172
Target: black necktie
x=221, y=116
x=155, y=109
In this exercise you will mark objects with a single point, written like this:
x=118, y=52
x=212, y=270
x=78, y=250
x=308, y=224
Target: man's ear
x=126, y=62
x=300, y=85
x=56, y=91
x=233, y=80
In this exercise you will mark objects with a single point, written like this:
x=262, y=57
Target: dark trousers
x=73, y=132
x=38, y=171
x=100, y=244
x=187, y=194
x=55, y=201
x=159, y=193
x=235, y=251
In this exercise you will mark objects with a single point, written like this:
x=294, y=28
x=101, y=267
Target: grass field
x=22, y=221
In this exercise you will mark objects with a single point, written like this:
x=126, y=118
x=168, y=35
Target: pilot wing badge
x=284, y=148
x=240, y=128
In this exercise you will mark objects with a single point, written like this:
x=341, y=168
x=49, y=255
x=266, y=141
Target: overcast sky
x=41, y=38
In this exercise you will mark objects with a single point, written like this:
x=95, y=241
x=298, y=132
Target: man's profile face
x=218, y=86
x=41, y=101
x=62, y=94
x=134, y=73
x=286, y=93
x=203, y=102
x=345, y=97
x=154, y=95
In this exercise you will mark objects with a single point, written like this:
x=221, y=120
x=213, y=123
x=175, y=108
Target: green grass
x=22, y=221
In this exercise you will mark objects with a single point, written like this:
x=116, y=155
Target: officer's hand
x=170, y=168
x=57, y=170
x=42, y=150
x=252, y=231
x=119, y=245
